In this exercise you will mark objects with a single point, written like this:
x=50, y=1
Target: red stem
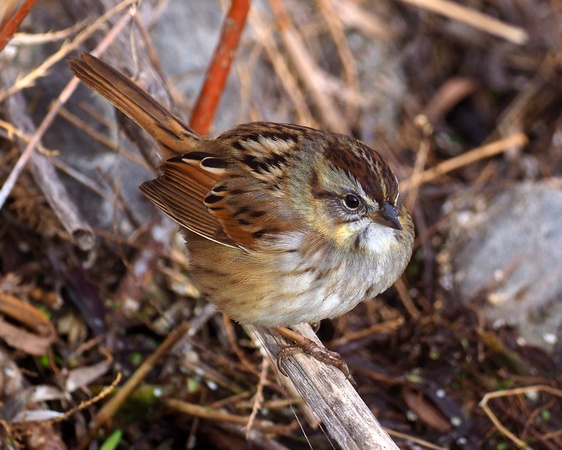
x=8, y=31
x=218, y=70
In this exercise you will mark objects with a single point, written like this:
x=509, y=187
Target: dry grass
x=454, y=98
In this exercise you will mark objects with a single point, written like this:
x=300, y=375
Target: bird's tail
x=172, y=134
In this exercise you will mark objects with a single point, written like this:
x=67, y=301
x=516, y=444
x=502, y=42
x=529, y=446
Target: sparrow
x=284, y=224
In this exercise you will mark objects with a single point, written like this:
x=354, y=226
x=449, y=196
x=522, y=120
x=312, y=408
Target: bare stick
x=511, y=392
x=46, y=123
x=309, y=73
x=214, y=415
x=288, y=79
x=486, y=151
x=474, y=18
x=329, y=394
x=43, y=69
x=45, y=174
x=109, y=409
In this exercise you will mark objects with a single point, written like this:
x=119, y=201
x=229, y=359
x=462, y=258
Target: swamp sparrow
x=284, y=224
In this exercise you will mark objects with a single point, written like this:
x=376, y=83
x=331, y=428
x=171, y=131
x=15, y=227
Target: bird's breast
x=285, y=285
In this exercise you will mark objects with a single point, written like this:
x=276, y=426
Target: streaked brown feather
x=180, y=191
x=238, y=172
x=170, y=132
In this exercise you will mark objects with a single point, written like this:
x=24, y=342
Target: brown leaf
x=35, y=342
x=426, y=412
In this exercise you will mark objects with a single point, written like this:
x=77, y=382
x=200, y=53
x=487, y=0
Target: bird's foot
x=308, y=346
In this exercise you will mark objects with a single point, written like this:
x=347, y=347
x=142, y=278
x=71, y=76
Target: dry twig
x=309, y=73
x=64, y=95
x=109, y=409
x=486, y=151
x=474, y=18
x=512, y=392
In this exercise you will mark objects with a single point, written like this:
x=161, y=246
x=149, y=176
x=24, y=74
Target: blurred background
x=462, y=98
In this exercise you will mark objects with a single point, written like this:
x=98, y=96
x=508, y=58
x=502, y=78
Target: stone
x=504, y=254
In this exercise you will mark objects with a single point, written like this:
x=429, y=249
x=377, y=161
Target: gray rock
x=504, y=254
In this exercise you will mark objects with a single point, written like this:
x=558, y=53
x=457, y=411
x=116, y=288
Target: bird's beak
x=387, y=216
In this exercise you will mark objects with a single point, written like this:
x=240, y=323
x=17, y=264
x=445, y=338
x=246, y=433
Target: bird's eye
x=351, y=202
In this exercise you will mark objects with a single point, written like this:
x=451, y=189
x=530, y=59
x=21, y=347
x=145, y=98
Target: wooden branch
x=135, y=60
x=476, y=19
x=308, y=71
x=109, y=409
x=325, y=389
x=57, y=104
x=45, y=174
x=470, y=157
